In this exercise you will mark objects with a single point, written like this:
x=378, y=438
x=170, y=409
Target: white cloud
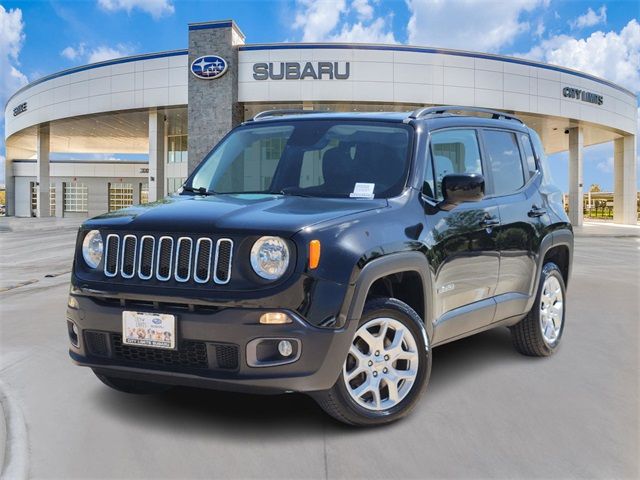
x=611, y=55
x=363, y=9
x=317, y=19
x=375, y=32
x=81, y=53
x=337, y=21
x=73, y=53
x=11, y=39
x=606, y=166
x=102, y=53
x=590, y=18
x=484, y=25
x=156, y=8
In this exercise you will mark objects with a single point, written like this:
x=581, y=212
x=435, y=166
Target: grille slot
x=129, y=244
x=202, y=269
x=224, y=252
x=183, y=259
x=145, y=265
x=165, y=258
x=111, y=255
x=190, y=354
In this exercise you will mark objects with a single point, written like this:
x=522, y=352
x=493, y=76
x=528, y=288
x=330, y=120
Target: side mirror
x=462, y=187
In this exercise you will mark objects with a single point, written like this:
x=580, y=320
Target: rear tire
x=539, y=333
x=136, y=387
x=386, y=373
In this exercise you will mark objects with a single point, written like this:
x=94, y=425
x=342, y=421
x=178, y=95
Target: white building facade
x=153, y=105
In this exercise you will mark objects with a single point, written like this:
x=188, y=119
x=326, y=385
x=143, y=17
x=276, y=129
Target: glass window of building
x=120, y=196
x=34, y=199
x=144, y=193
x=174, y=183
x=176, y=148
x=76, y=197
x=52, y=200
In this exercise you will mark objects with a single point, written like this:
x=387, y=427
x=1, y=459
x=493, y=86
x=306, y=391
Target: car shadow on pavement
x=210, y=411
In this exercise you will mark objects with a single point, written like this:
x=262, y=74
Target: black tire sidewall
x=548, y=270
x=397, y=310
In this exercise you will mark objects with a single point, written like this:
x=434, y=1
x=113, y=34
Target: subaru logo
x=156, y=321
x=209, y=67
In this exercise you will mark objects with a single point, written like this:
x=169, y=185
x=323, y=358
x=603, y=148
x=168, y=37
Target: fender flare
x=386, y=265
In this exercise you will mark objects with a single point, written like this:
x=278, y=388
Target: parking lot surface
x=488, y=412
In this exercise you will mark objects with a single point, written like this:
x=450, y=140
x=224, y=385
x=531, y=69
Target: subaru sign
x=209, y=67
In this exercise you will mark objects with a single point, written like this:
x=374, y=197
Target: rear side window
x=504, y=161
x=527, y=150
x=454, y=151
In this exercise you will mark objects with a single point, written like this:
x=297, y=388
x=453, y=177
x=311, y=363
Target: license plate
x=155, y=330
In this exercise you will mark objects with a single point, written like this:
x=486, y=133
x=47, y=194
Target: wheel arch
x=385, y=266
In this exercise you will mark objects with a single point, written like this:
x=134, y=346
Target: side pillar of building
x=213, y=103
x=59, y=185
x=43, y=179
x=157, y=133
x=9, y=183
x=576, y=147
x=625, y=193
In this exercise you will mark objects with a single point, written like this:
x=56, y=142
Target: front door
x=461, y=242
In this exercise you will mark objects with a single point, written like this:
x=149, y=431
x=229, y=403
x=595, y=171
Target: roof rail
x=495, y=114
x=278, y=112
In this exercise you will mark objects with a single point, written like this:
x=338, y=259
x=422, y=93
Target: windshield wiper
x=199, y=190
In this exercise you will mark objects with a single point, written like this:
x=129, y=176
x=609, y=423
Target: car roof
x=430, y=122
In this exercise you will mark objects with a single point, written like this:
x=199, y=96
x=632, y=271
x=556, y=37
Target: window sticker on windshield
x=363, y=190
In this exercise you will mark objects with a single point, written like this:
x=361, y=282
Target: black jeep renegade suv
x=328, y=253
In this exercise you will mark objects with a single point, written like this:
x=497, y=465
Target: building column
x=625, y=192
x=576, y=144
x=9, y=183
x=213, y=106
x=43, y=170
x=59, y=198
x=157, y=181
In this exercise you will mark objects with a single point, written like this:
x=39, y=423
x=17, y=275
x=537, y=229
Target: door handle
x=489, y=221
x=537, y=211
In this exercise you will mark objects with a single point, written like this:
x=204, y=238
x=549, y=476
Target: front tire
x=386, y=369
x=539, y=333
x=136, y=387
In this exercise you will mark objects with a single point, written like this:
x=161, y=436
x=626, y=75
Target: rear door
x=515, y=186
x=462, y=241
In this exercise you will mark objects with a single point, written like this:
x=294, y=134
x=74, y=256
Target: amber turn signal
x=314, y=254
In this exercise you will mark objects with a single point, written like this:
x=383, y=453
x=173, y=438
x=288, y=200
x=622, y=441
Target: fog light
x=274, y=318
x=74, y=333
x=285, y=348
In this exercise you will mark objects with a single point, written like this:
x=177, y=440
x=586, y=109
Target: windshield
x=310, y=158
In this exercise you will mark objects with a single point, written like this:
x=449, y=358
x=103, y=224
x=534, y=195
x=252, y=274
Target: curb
x=14, y=440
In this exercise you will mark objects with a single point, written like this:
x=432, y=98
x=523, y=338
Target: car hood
x=249, y=213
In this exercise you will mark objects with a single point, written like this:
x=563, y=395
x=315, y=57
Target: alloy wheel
x=382, y=364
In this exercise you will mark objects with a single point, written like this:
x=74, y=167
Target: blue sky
x=603, y=38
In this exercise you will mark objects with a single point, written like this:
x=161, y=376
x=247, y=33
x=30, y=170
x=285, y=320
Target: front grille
x=182, y=259
x=227, y=356
x=189, y=355
x=97, y=343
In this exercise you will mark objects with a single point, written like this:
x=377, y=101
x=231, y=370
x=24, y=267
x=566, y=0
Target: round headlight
x=270, y=257
x=92, y=248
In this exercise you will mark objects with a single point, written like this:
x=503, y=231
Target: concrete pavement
x=488, y=412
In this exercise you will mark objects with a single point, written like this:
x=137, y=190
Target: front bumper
x=214, y=346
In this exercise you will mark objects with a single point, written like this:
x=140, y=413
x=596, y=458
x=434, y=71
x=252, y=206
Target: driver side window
x=453, y=151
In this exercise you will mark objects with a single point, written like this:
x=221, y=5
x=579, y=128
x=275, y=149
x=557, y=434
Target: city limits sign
x=578, y=94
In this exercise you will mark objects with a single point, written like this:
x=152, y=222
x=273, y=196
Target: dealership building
x=162, y=112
